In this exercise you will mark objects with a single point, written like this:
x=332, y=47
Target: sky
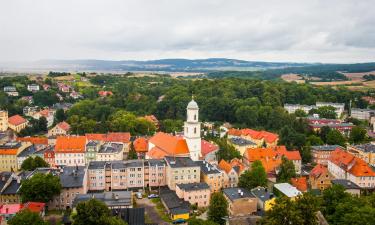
x=328, y=31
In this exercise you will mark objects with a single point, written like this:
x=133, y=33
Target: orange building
x=231, y=176
x=70, y=150
x=258, y=137
x=300, y=183
x=320, y=178
x=17, y=123
x=141, y=147
x=162, y=144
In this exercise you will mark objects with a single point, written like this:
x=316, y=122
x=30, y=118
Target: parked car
x=139, y=195
x=178, y=221
x=153, y=196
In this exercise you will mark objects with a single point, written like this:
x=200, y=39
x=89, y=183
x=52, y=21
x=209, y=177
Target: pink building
x=195, y=193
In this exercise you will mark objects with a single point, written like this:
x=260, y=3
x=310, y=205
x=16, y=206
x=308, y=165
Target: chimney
x=239, y=191
x=18, y=180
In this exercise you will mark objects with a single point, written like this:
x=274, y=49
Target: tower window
x=195, y=130
x=195, y=116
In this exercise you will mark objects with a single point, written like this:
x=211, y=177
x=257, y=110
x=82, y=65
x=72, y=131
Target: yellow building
x=365, y=152
x=8, y=155
x=266, y=200
x=177, y=208
x=3, y=120
x=17, y=123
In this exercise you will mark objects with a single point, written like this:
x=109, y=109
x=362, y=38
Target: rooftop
x=72, y=176
x=193, y=186
x=366, y=147
x=207, y=168
x=179, y=162
x=27, y=151
x=169, y=144
x=237, y=193
x=347, y=184
x=287, y=189
x=262, y=193
x=111, y=198
x=241, y=141
x=174, y=204
x=325, y=147
x=111, y=147
x=300, y=183
x=16, y=120
x=70, y=144
x=351, y=164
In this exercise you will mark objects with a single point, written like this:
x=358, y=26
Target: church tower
x=192, y=130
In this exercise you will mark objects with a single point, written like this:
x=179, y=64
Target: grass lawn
x=161, y=210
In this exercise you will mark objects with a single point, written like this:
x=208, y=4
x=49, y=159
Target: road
x=150, y=209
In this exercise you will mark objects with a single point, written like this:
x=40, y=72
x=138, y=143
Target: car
x=153, y=196
x=139, y=195
x=178, y=221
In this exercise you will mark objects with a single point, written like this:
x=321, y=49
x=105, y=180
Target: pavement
x=150, y=209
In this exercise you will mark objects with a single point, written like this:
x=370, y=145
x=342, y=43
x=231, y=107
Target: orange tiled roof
x=156, y=153
x=123, y=137
x=70, y=144
x=318, y=170
x=207, y=147
x=350, y=163
x=34, y=140
x=234, y=132
x=64, y=125
x=254, y=134
x=300, y=183
x=16, y=120
x=35, y=207
x=171, y=145
x=236, y=162
x=140, y=144
x=8, y=151
x=44, y=112
x=224, y=165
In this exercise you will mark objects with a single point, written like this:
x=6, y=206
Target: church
x=190, y=144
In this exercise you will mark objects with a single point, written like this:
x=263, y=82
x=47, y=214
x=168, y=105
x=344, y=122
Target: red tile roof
x=64, y=125
x=140, y=144
x=105, y=93
x=171, y=145
x=318, y=170
x=34, y=140
x=44, y=112
x=70, y=144
x=35, y=207
x=351, y=164
x=224, y=165
x=254, y=134
x=236, y=162
x=123, y=137
x=208, y=147
x=156, y=153
x=16, y=120
x=10, y=208
x=300, y=183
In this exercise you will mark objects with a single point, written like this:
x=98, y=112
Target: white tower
x=192, y=130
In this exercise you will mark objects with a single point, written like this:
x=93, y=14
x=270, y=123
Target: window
x=195, y=116
x=195, y=130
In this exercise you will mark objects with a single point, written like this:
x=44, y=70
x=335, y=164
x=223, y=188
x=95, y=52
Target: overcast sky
x=301, y=30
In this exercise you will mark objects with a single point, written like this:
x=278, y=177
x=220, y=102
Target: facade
x=70, y=150
x=291, y=108
x=192, y=130
x=362, y=114
x=240, y=201
x=8, y=155
x=33, y=87
x=212, y=176
x=92, y=148
x=321, y=153
x=11, y=182
x=110, y=151
x=320, y=178
x=61, y=128
x=339, y=107
x=17, y=123
x=365, y=152
x=3, y=120
x=231, y=176
x=349, y=186
x=195, y=193
x=181, y=170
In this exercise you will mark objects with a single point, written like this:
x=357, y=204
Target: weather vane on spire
x=192, y=95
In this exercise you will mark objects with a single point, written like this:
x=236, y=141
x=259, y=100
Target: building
x=8, y=211
x=212, y=176
x=260, y=138
x=195, y=193
x=343, y=165
x=192, y=130
x=155, y=173
x=181, y=170
x=141, y=147
x=11, y=184
x=285, y=189
x=339, y=107
x=369, y=99
x=162, y=144
x=33, y=87
x=61, y=128
x=30, y=110
x=120, y=137
x=105, y=93
x=113, y=199
x=265, y=198
x=11, y=91
x=241, y=144
x=17, y=123
x=362, y=114
x=291, y=108
x=320, y=178
x=349, y=186
x=8, y=155
x=364, y=151
x=48, y=154
x=26, y=153
x=231, y=176
x=300, y=183
x=321, y=153
x=92, y=148
x=178, y=209
x=70, y=150
x=46, y=113
x=344, y=128
x=110, y=151
x=3, y=120
x=209, y=151
x=240, y=201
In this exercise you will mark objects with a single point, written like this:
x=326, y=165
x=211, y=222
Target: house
x=46, y=113
x=9, y=191
x=11, y=91
x=48, y=154
x=241, y=144
x=70, y=150
x=369, y=99
x=38, y=141
x=46, y=87
x=212, y=176
x=300, y=183
x=181, y=170
x=364, y=151
x=260, y=138
x=285, y=189
x=64, y=87
x=155, y=173
x=120, y=137
x=17, y=123
x=339, y=107
x=209, y=151
x=30, y=110
x=92, y=148
x=61, y=128
x=195, y=193
x=162, y=144
x=105, y=93
x=141, y=147
x=230, y=176
x=114, y=200
x=265, y=198
x=362, y=114
x=178, y=209
x=349, y=186
x=321, y=153
x=241, y=202
x=75, y=95
x=26, y=153
x=344, y=128
x=28, y=99
x=8, y=211
x=110, y=151
x=8, y=155
x=3, y=120
x=320, y=178
x=33, y=87
x=343, y=165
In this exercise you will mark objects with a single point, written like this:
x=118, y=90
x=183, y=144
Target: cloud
x=324, y=31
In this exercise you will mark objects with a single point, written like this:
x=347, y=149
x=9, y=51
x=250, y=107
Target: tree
x=247, y=115
x=31, y=163
x=334, y=137
x=332, y=197
x=324, y=132
x=132, y=153
x=195, y=221
x=171, y=126
x=357, y=135
x=300, y=113
x=26, y=217
x=95, y=212
x=226, y=150
x=306, y=153
x=43, y=124
x=218, y=208
x=60, y=116
x=287, y=170
x=314, y=140
x=327, y=112
x=40, y=188
x=255, y=177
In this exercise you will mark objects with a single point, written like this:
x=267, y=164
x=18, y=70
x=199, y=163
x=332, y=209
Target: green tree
x=195, y=221
x=324, y=132
x=332, y=197
x=306, y=153
x=31, y=163
x=26, y=217
x=334, y=137
x=314, y=140
x=132, y=153
x=287, y=171
x=327, y=112
x=94, y=212
x=171, y=126
x=218, y=208
x=60, y=116
x=357, y=135
x=247, y=115
x=40, y=188
x=226, y=150
x=255, y=177
x=300, y=113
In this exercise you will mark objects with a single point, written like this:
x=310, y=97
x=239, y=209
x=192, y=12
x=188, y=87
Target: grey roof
x=179, y=162
x=134, y=163
x=110, y=147
x=94, y=165
x=347, y=184
x=325, y=147
x=261, y=193
x=27, y=151
x=174, y=204
x=117, y=164
x=366, y=147
x=156, y=162
x=332, y=125
x=241, y=141
x=111, y=199
x=233, y=193
x=12, y=144
x=72, y=176
x=4, y=177
x=193, y=186
x=207, y=168
x=92, y=143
